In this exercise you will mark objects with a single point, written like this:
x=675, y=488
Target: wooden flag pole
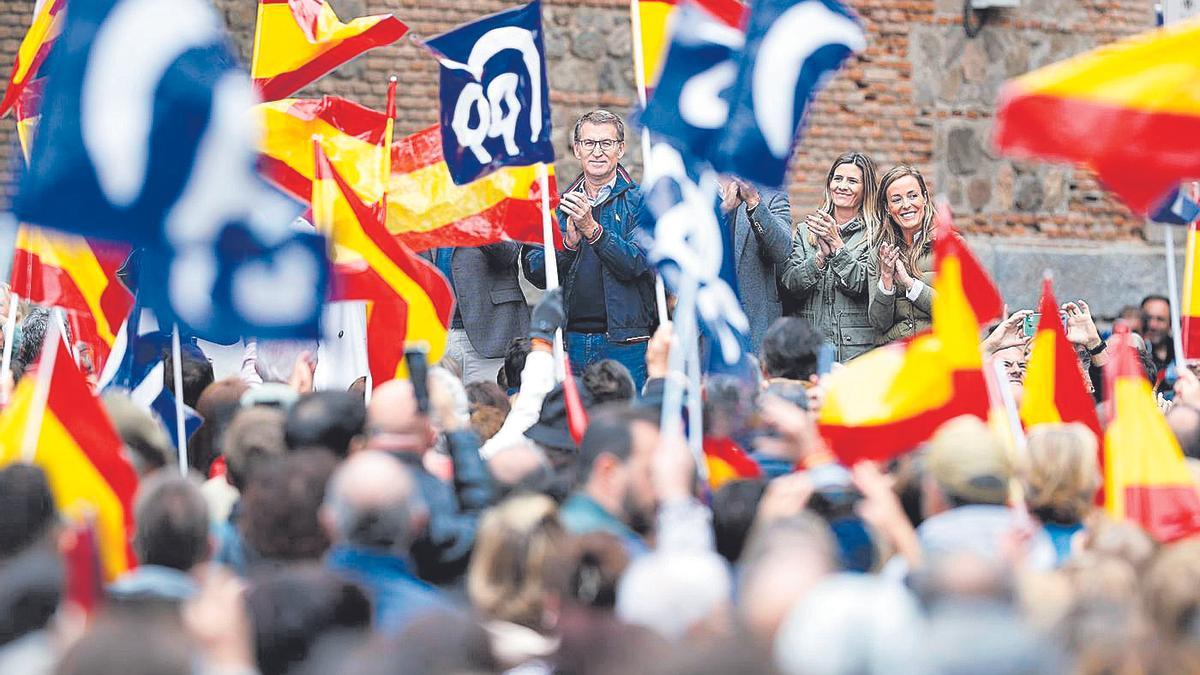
x=177, y=367
x=10, y=327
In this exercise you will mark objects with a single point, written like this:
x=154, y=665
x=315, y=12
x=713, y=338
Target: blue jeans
x=585, y=349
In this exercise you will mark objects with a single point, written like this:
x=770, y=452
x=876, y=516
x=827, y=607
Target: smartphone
x=1030, y=324
x=418, y=372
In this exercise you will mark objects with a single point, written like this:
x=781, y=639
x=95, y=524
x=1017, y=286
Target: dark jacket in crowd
x=834, y=299
x=489, y=296
x=761, y=241
x=626, y=275
x=442, y=552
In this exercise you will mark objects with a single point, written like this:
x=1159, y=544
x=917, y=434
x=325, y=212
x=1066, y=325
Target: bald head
x=520, y=467
x=393, y=422
x=372, y=502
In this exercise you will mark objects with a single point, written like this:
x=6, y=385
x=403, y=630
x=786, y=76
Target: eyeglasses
x=606, y=144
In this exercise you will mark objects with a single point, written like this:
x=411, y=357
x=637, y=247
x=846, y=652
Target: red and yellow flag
x=297, y=42
x=28, y=112
x=1130, y=111
x=655, y=20
x=726, y=461
x=888, y=400
x=408, y=300
x=80, y=452
x=47, y=24
x=1054, y=390
x=425, y=208
x=1146, y=479
x=78, y=275
x=1190, y=308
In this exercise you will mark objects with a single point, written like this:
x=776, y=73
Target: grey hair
x=387, y=527
x=671, y=592
x=599, y=116
x=276, y=358
x=440, y=377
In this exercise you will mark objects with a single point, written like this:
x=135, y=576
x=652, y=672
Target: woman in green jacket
x=828, y=270
x=902, y=257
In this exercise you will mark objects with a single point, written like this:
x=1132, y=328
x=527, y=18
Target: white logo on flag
x=497, y=108
x=792, y=39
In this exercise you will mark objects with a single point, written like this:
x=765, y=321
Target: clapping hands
x=892, y=269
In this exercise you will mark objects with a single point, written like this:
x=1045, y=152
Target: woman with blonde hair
x=901, y=293
x=509, y=578
x=1061, y=480
x=828, y=270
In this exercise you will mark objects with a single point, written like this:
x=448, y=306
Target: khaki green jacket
x=896, y=317
x=833, y=299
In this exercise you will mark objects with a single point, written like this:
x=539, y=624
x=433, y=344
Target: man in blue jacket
x=608, y=284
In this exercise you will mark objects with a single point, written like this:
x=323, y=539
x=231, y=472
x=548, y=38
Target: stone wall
x=923, y=93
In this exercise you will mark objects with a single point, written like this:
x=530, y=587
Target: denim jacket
x=627, y=275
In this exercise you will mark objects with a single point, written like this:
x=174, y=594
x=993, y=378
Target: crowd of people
x=472, y=522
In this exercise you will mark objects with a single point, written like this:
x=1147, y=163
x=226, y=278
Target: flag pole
x=177, y=367
x=673, y=388
x=1173, y=292
x=60, y=317
x=695, y=405
x=41, y=393
x=1189, y=287
x=551, y=258
x=10, y=327
x=639, y=74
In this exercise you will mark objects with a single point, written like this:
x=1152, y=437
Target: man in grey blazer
x=490, y=308
x=762, y=238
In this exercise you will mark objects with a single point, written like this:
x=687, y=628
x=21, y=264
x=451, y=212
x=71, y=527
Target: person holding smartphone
x=608, y=284
x=827, y=271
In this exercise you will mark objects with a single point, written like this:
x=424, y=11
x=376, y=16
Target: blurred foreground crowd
x=456, y=529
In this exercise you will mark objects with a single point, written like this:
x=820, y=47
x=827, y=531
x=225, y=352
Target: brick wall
x=14, y=21
x=921, y=94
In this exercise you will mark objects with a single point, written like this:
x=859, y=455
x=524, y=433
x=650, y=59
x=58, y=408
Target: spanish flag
x=1146, y=479
x=296, y=42
x=889, y=400
x=1190, y=312
x=1130, y=111
x=28, y=111
x=654, y=18
x=1054, y=390
x=79, y=275
x=47, y=24
x=425, y=208
x=408, y=300
x=726, y=461
x=78, y=449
